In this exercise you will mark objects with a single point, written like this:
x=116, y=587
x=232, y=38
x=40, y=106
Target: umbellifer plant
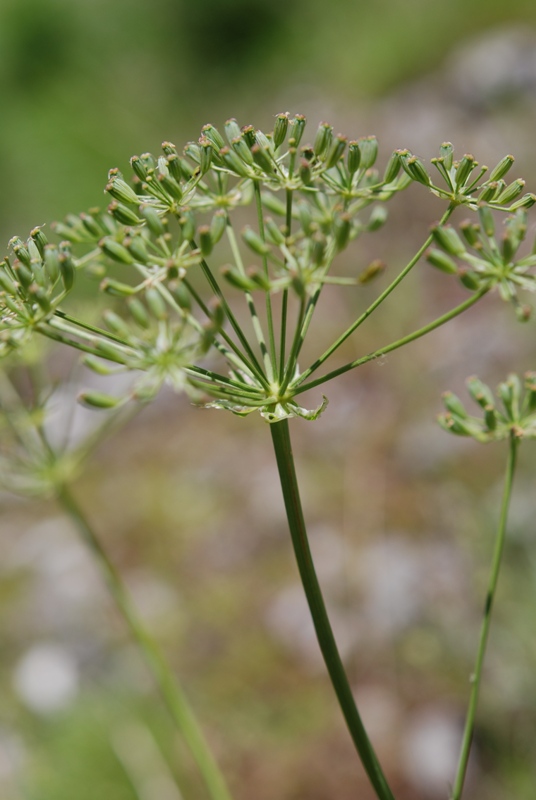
x=169, y=316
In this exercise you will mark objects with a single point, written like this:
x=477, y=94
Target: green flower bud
x=342, y=228
x=319, y=249
x=234, y=163
x=448, y=239
x=470, y=231
x=440, y=260
x=480, y=392
x=115, y=324
x=232, y=130
x=21, y=251
x=464, y=169
x=353, y=159
x=156, y=304
x=511, y=192
x=273, y=231
x=136, y=246
x=273, y=204
x=378, y=217
x=502, y=168
x=124, y=214
x=280, y=129
x=152, y=219
x=527, y=201
x=139, y=168
x=392, y=168
x=116, y=288
x=180, y=294
x=489, y=192
x=24, y=275
x=92, y=226
x=120, y=190
x=470, y=279
x=98, y=400
x=486, y=220
x=446, y=153
x=336, y=151
x=371, y=272
x=323, y=139
x=254, y=241
x=453, y=404
x=214, y=136
x=233, y=276
x=139, y=312
x=415, y=169
x=369, y=151
x=115, y=251
x=187, y=223
x=40, y=296
x=40, y=240
x=263, y=158
x=206, y=153
x=259, y=279
x=305, y=173
x=174, y=166
x=218, y=224
x=490, y=418
x=52, y=263
x=523, y=313
x=170, y=186
x=242, y=150
x=297, y=127
x=250, y=135
x=96, y=365
x=205, y=240
x=6, y=284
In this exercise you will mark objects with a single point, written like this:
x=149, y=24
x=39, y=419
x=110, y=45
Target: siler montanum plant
x=169, y=316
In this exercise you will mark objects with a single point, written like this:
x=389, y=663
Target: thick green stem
x=168, y=685
x=476, y=677
x=326, y=639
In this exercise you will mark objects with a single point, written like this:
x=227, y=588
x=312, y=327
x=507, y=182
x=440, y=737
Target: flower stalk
x=326, y=640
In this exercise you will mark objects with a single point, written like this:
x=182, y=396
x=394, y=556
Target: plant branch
x=411, y=337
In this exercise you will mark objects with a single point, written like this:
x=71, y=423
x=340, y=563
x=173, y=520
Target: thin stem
x=168, y=685
x=383, y=296
x=476, y=677
x=326, y=639
x=269, y=313
x=394, y=345
x=257, y=327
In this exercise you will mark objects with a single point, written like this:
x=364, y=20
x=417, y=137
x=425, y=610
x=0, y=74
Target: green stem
x=326, y=639
x=394, y=345
x=476, y=677
x=269, y=312
x=168, y=685
x=383, y=296
x=257, y=327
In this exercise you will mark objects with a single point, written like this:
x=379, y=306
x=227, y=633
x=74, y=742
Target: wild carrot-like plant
x=172, y=268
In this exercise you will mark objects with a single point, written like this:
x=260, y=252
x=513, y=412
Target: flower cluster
x=481, y=262
x=168, y=236
x=515, y=416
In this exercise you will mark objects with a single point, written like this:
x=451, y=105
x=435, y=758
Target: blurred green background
x=400, y=515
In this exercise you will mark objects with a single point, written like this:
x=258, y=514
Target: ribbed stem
x=476, y=677
x=324, y=633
